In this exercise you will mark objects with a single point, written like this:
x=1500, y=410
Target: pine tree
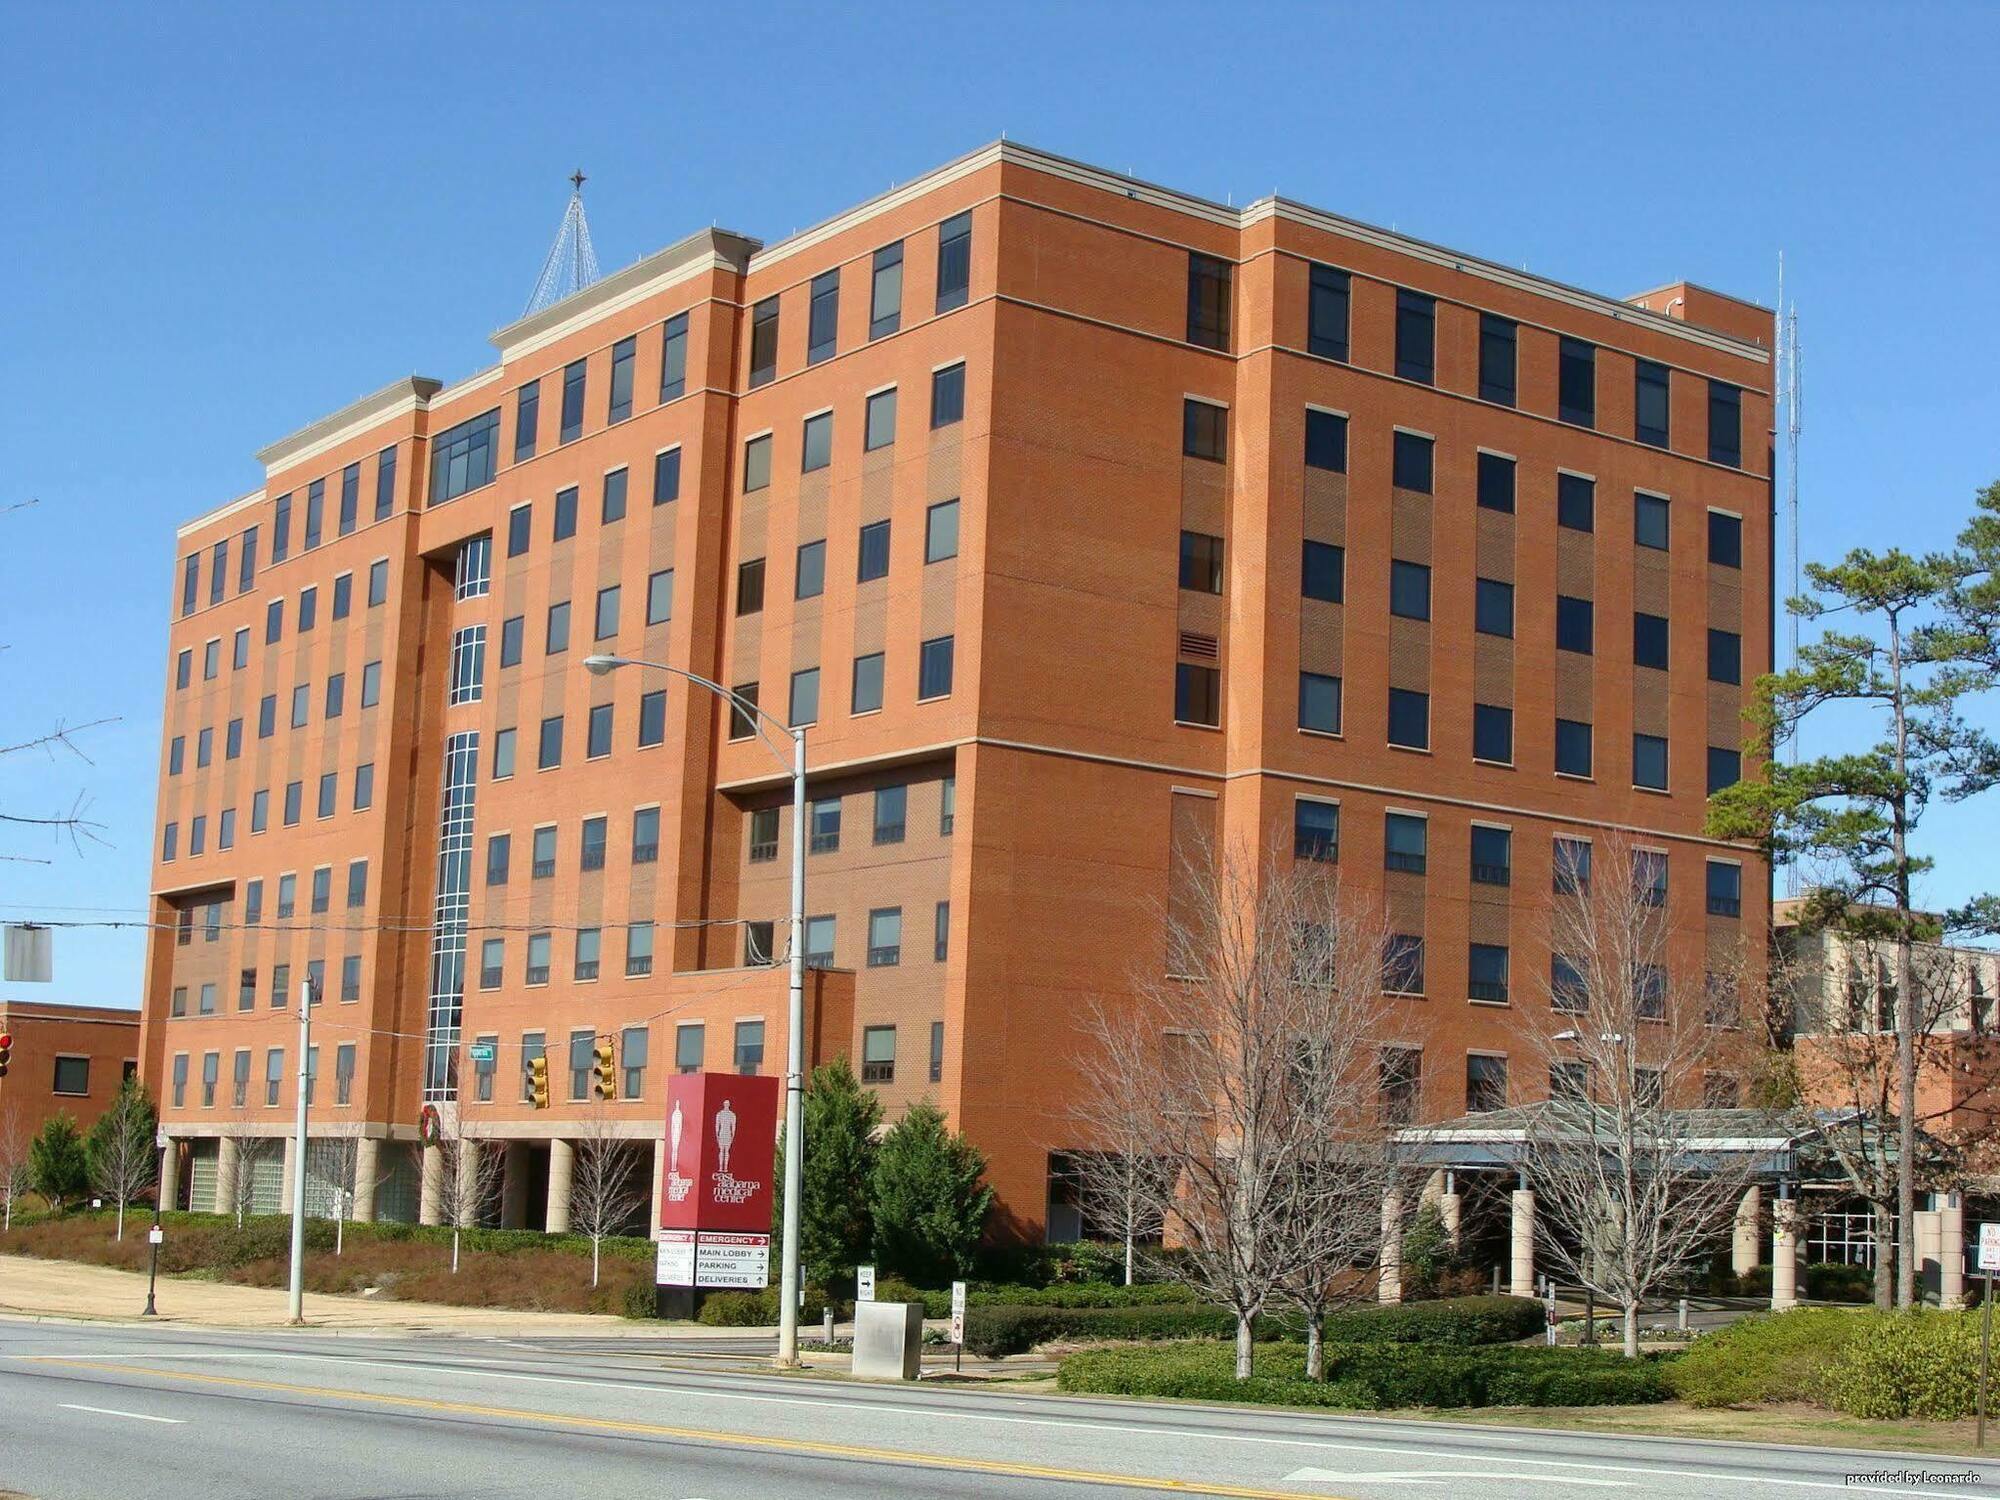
x=1851, y=817
x=57, y=1163
x=930, y=1202
x=835, y=1226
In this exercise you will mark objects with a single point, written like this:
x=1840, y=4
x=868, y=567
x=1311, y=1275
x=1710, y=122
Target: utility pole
x=306, y=988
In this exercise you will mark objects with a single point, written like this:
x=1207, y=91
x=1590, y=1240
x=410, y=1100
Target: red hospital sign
x=722, y=1131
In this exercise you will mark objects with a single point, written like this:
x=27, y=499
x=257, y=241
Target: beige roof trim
x=398, y=398
x=221, y=512
x=707, y=250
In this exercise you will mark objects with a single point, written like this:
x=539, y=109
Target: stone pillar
x=561, y=1158
x=659, y=1150
x=1450, y=1202
x=170, y=1175
x=1522, y=1283
x=1390, y=1287
x=514, y=1186
x=367, y=1177
x=430, y=1208
x=1924, y=1229
x=1745, y=1244
x=1951, y=1252
x=1784, y=1254
x=228, y=1162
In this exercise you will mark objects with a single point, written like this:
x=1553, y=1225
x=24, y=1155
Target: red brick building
x=65, y=1059
x=1074, y=514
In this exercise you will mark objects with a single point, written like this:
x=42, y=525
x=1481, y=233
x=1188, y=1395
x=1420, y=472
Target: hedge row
x=1372, y=1377
x=1863, y=1362
x=1457, y=1321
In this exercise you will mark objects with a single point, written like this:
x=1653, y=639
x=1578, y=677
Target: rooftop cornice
x=394, y=399
x=708, y=249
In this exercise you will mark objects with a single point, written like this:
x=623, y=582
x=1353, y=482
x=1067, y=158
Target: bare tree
x=604, y=1191
x=14, y=1179
x=240, y=1191
x=1626, y=1201
x=469, y=1170
x=71, y=823
x=1209, y=1076
x=124, y=1159
x=338, y=1160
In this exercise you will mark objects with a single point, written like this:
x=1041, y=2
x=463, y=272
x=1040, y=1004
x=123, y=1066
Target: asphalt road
x=91, y=1411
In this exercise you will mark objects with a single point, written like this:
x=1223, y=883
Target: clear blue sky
x=225, y=221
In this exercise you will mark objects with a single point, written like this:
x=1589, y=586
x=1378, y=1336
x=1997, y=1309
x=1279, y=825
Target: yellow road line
x=703, y=1435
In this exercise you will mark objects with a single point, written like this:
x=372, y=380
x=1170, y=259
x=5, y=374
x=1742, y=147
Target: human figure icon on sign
x=674, y=1141
x=725, y=1132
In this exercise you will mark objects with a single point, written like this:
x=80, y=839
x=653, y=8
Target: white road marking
x=1433, y=1476
x=137, y=1416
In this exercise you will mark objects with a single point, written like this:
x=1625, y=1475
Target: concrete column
x=430, y=1207
x=659, y=1150
x=1450, y=1203
x=1745, y=1244
x=292, y=1164
x=561, y=1158
x=367, y=1176
x=1951, y=1251
x=1433, y=1185
x=514, y=1186
x=228, y=1162
x=1929, y=1269
x=1522, y=1283
x=1390, y=1287
x=170, y=1175
x=1784, y=1254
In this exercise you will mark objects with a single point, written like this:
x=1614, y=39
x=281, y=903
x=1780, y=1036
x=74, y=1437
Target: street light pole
x=153, y=1246
x=795, y=1046
x=299, y=1157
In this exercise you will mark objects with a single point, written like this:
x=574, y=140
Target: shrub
x=1770, y=1357
x=994, y=1331
x=930, y=1203
x=1462, y=1321
x=1374, y=1377
x=1908, y=1364
x=755, y=1309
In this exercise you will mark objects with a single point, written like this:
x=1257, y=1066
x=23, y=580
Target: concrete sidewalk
x=69, y=1289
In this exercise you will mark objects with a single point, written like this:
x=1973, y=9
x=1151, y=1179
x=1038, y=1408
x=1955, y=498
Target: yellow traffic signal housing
x=538, y=1082
x=606, y=1069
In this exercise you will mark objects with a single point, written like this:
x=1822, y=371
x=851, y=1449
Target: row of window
x=1400, y=1084
x=273, y=1081
x=1413, y=467
x=292, y=810
x=1406, y=850
x=281, y=532
x=1329, y=303
x=307, y=617
x=871, y=558
x=466, y=456
x=885, y=300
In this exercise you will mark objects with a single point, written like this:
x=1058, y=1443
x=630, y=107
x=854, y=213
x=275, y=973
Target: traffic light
x=6, y=1050
x=538, y=1082
x=606, y=1071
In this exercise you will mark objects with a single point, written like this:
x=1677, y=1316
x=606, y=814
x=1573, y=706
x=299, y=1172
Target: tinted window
x=1326, y=441
x=941, y=531
x=1405, y=843
x=1725, y=539
x=1409, y=719
x=1493, y=607
x=873, y=552
x=1725, y=656
x=1492, y=733
x=673, y=357
x=823, y=317
x=527, y=413
x=1412, y=467
x=1649, y=520
x=1204, y=430
x=1576, y=383
x=954, y=261
x=1725, y=768
x=1649, y=761
x=1572, y=747
x=1576, y=502
x=1319, y=702
x=1326, y=313
x=947, y=396
x=1649, y=403
x=1649, y=640
x=879, y=421
x=1496, y=359
x=809, y=573
x=1323, y=567
x=1575, y=624
x=763, y=342
x=1409, y=590
x=1201, y=562
x=1197, y=694
x=1725, y=424
x=462, y=457
x=816, y=443
x=885, y=291
x=1208, y=301
x=1415, y=336
x=1496, y=482
x=572, y=402
x=565, y=526
x=934, y=667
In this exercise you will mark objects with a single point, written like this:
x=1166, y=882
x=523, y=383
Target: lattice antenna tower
x=572, y=262
x=1786, y=368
